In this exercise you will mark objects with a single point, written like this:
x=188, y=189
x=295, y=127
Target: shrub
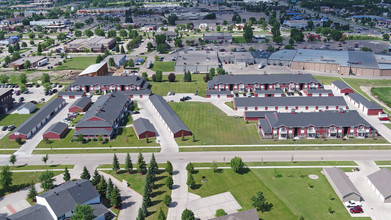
x=220, y=212
x=89, y=139
x=171, y=77
x=106, y=140
x=19, y=140
x=167, y=200
x=94, y=139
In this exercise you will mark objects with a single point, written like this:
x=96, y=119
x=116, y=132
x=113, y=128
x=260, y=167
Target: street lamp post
x=157, y=141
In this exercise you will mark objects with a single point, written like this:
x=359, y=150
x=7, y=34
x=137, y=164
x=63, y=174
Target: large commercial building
x=196, y=61
x=112, y=83
x=51, y=23
x=218, y=37
x=35, y=61
x=93, y=44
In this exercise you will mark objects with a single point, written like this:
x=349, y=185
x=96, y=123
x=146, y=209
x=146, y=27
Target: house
x=6, y=100
x=137, y=94
x=143, y=128
x=99, y=69
x=196, y=61
x=264, y=82
x=80, y=105
x=342, y=185
x=118, y=59
x=104, y=116
x=35, y=122
x=318, y=92
x=342, y=87
x=310, y=125
x=26, y=109
x=255, y=115
x=250, y=214
x=218, y=94
x=296, y=103
x=259, y=38
x=111, y=83
x=379, y=181
x=170, y=119
x=170, y=34
x=269, y=93
x=60, y=202
x=35, y=61
x=56, y=131
x=11, y=21
x=218, y=37
x=93, y=44
x=71, y=94
x=366, y=106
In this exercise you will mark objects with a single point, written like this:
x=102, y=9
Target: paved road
x=179, y=194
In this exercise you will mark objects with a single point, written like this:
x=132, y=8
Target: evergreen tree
x=122, y=50
x=128, y=163
x=188, y=76
x=169, y=182
x=115, y=198
x=190, y=167
x=144, y=210
x=32, y=192
x=96, y=178
x=46, y=179
x=102, y=186
x=190, y=181
x=67, y=176
x=140, y=215
x=140, y=163
x=115, y=164
x=153, y=164
x=85, y=174
x=99, y=58
x=212, y=73
x=109, y=188
x=117, y=48
x=161, y=215
x=169, y=167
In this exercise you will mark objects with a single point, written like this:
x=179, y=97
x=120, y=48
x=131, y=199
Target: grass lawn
x=383, y=94
x=22, y=180
x=77, y=63
x=197, y=84
x=230, y=104
x=41, y=167
x=239, y=40
x=289, y=194
x=99, y=151
x=383, y=162
x=163, y=66
x=15, y=119
x=387, y=125
x=295, y=163
x=212, y=126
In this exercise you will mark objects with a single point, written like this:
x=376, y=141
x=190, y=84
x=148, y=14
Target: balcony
x=311, y=130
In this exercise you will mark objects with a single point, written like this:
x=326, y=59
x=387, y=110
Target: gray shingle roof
x=365, y=102
x=81, y=102
x=142, y=125
x=341, y=181
x=75, y=93
x=270, y=91
x=108, y=80
x=57, y=128
x=33, y=212
x=382, y=179
x=341, y=85
x=218, y=92
x=317, y=91
x=66, y=196
x=250, y=214
x=136, y=92
x=264, y=124
x=42, y=113
x=29, y=105
x=168, y=114
x=99, y=209
x=93, y=131
x=289, y=101
x=256, y=114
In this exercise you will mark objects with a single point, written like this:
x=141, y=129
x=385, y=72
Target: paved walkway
x=179, y=194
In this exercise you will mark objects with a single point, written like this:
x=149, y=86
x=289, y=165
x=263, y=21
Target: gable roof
x=142, y=125
x=168, y=114
x=57, y=128
x=29, y=105
x=341, y=181
x=365, y=102
x=75, y=93
x=42, y=113
x=256, y=114
x=66, y=196
x=382, y=179
x=81, y=102
x=33, y=212
x=289, y=101
x=341, y=85
x=317, y=91
x=92, y=68
x=111, y=80
x=250, y=214
x=218, y=92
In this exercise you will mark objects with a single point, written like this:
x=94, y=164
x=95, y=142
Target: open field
x=286, y=189
x=295, y=163
x=197, y=84
x=230, y=104
x=212, y=126
x=15, y=119
x=163, y=66
x=77, y=63
x=383, y=94
x=239, y=40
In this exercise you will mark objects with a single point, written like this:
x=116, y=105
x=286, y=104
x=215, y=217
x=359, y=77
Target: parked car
x=34, y=102
x=352, y=203
x=21, y=99
x=42, y=99
x=11, y=127
x=37, y=86
x=54, y=90
x=356, y=209
x=135, y=112
x=187, y=97
x=4, y=128
x=46, y=92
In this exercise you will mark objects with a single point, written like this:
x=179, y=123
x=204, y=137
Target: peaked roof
x=382, y=179
x=341, y=85
x=57, y=128
x=33, y=212
x=341, y=181
x=81, y=102
x=142, y=125
x=75, y=93
x=168, y=114
x=66, y=196
x=29, y=105
x=365, y=102
x=290, y=101
x=111, y=80
x=250, y=214
x=92, y=68
x=256, y=114
x=317, y=91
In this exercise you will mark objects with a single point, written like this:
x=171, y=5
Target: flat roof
x=322, y=56
x=284, y=55
x=32, y=59
x=201, y=57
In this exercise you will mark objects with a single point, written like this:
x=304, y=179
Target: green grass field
x=383, y=162
x=77, y=63
x=388, y=125
x=41, y=167
x=212, y=126
x=163, y=66
x=239, y=40
x=290, y=194
x=383, y=94
x=15, y=119
x=295, y=163
x=197, y=84
x=230, y=104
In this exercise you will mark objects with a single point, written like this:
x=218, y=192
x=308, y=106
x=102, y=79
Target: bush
x=169, y=182
x=167, y=200
x=95, y=139
x=220, y=212
x=19, y=140
x=106, y=140
x=89, y=139
x=171, y=77
x=237, y=164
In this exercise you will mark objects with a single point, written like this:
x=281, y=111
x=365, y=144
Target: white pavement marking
x=179, y=193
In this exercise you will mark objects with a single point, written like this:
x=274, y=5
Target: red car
x=356, y=209
x=384, y=118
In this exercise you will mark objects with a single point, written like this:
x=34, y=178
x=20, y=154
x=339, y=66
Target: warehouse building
x=196, y=61
x=379, y=182
x=144, y=128
x=93, y=44
x=366, y=106
x=342, y=185
x=217, y=37
x=35, y=61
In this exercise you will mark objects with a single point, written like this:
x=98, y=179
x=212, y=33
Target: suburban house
x=60, y=202
x=264, y=82
x=80, y=105
x=170, y=34
x=250, y=214
x=379, y=181
x=144, y=128
x=11, y=21
x=218, y=94
x=255, y=115
x=99, y=69
x=35, y=61
x=111, y=83
x=71, y=94
x=310, y=125
x=289, y=103
x=104, y=116
x=26, y=109
x=218, y=37
x=342, y=87
x=170, y=119
x=35, y=122
x=56, y=131
x=93, y=44
x=366, y=106
x=318, y=92
x=6, y=100
x=342, y=185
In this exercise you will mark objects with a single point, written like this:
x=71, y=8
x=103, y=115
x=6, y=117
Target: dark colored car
x=37, y=86
x=135, y=112
x=356, y=209
x=21, y=99
x=11, y=127
x=4, y=128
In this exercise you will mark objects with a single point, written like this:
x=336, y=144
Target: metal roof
x=57, y=128
x=38, y=117
x=363, y=59
x=381, y=180
x=168, y=114
x=81, y=102
x=201, y=57
x=341, y=85
x=365, y=102
x=110, y=80
x=283, y=55
x=36, y=211
x=142, y=125
x=322, y=56
x=289, y=101
x=342, y=182
x=92, y=68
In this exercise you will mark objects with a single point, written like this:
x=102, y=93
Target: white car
x=352, y=203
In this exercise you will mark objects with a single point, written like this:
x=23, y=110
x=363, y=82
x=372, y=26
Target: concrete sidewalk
x=179, y=193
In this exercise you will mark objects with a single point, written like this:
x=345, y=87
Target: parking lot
x=34, y=94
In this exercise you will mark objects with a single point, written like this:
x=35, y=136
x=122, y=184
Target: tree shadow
x=156, y=193
x=157, y=178
x=153, y=203
x=196, y=186
x=13, y=188
x=244, y=171
x=219, y=171
x=157, y=186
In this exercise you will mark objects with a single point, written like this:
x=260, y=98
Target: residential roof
x=137, y=92
x=341, y=181
x=92, y=68
x=57, y=128
x=99, y=209
x=269, y=91
x=250, y=214
x=42, y=113
x=66, y=196
x=341, y=85
x=81, y=102
x=218, y=92
x=365, y=102
x=93, y=131
x=4, y=91
x=142, y=125
x=289, y=101
x=317, y=91
x=256, y=114
x=111, y=80
x=75, y=93
x=168, y=114
x=381, y=180
x=33, y=212
x=29, y=105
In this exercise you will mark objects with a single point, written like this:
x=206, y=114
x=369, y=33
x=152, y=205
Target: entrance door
x=87, y=88
x=122, y=88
